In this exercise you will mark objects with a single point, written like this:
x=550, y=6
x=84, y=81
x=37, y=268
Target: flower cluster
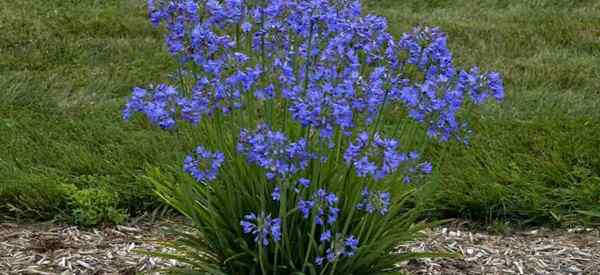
x=363, y=153
x=194, y=37
x=416, y=168
x=374, y=201
x=482, y=85
x=159, y=105
x=338, y=247
x=273, y=151
x=203, y=165
x=331, y=92
x=263, y=227
x=316, y=52
x=437, y=99
x=324, y=204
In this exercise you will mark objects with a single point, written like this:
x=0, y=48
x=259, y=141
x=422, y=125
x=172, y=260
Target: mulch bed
x=539, y=251
x=61, y=249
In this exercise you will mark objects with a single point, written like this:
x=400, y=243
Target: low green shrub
x=95, y=206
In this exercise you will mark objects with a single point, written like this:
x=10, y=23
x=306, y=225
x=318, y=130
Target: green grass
x=66, y=67
x=536, y=157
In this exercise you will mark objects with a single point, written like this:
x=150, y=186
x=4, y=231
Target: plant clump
x=298, y=171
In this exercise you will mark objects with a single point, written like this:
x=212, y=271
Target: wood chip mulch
x=539, y=251
x=56, y=249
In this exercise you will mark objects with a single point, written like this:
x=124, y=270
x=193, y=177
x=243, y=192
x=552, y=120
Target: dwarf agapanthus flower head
x=203, y=165
x=305, y=206
x=374, y=201
x=325, y=236
x=337, y=247
x=480, y=86
x=159, y=105
x=426, y=167
x=436, y=100
x=325, y=207
x=377, y=156
x=135, y=104
x=304, y=182
x=276, y=194
x=262, y=227
x=301, y=184
x=273, y=151
x=161, y=108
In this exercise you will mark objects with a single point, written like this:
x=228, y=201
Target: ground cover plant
x=66, y=67
x=297, y=172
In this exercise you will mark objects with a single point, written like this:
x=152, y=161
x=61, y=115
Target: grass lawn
x=67, y=66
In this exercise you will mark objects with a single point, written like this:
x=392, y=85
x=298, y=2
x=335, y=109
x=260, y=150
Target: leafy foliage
x=95, y=206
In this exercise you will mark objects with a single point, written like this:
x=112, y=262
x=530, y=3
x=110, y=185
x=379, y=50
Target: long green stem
x=348, y=220
x=307, y=64
x=260, y=259
x=275, y=260
x=307, y=253
x=286, y=247
x=324, y=269
x=380, y=114
x=186, y=90
x=339, y=147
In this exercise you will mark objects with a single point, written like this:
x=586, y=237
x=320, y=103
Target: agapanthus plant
x=299, y=171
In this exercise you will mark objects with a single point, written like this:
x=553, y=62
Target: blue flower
x=304, y=182
x=337, y=247
x=374, y=201
x=325, y=236
x=319, y=261
x=331, y=255
x=495, y=85
x=262, y=227
x=276, y=194
x=154, y=13
x=426, y=167
x=246, y=27
x=377, y=157
x=365, y=167
x=351, y=244
x=176, y=35
x=332, y=215
x=481, y=85
x=159, y=105
x=135, y=104
x=203, y=165
x=265, y=93
x=326, y=203
x=335, y=71
x=272, y=151
x=355, y=149
x=305, y=206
